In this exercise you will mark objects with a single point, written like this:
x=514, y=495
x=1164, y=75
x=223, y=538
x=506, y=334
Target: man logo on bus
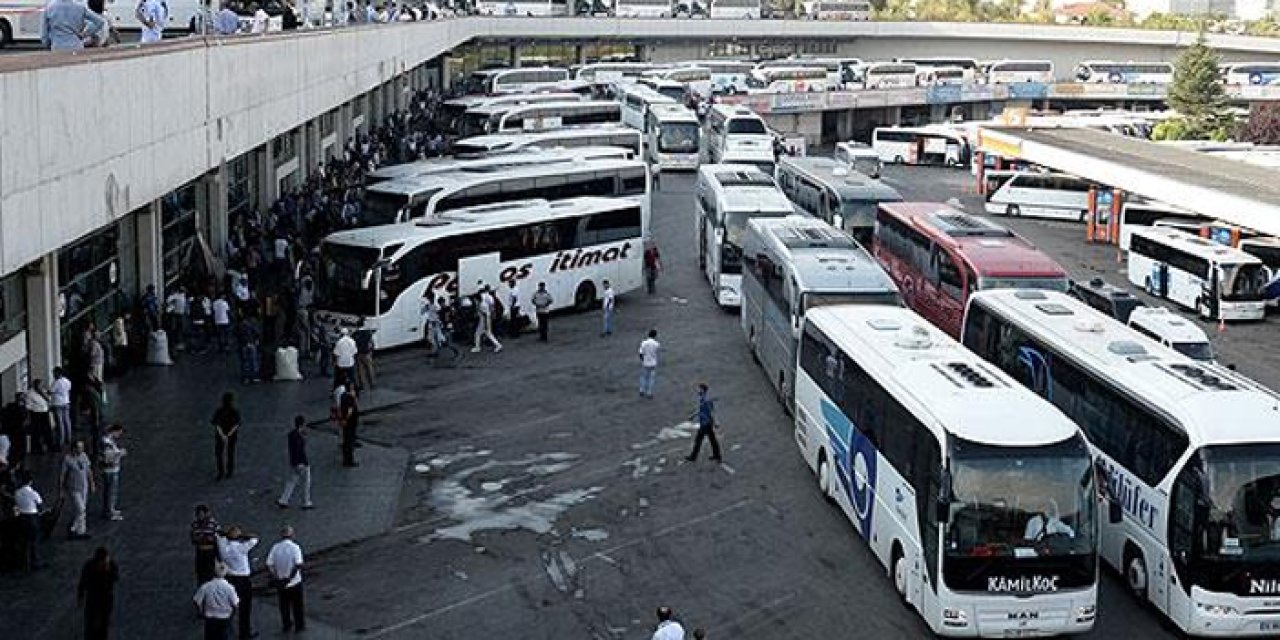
x=855, y=464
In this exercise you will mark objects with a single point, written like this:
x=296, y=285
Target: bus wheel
x=784, y=398
x=1013, y=211
x=751, y=340
x=585, y=296
x=1150, y=287
x=1135, y=573
x=898, y=567
x=1084, y=214
x=6, y=34
x=824, y=476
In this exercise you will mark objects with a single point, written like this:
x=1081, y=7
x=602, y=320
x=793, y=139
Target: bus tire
x=1084, y=215
x=1202, y=308
x=1149, y=286
x=898, y=572
x=1135, y=572
x=585, y=297
x=824, y=476
x=783, y=397
x=751, y=342
x=1013, y=211
x=898, y=160
x=6, y=34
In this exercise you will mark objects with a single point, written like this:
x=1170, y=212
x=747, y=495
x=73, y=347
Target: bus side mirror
x=942, y=502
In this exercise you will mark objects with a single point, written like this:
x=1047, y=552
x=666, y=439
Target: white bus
x=839, y=70
x=452, y=112
x=1034, y=194
x=976, y=495
x=728, y=196
x=523, y=7
x=518, y=80
x=429, y=195
x=845, y=10
x=540, y=116
x=692, y=79
x=788, y=80
x=673, y=137
x=642, y=8
x=740, y=9
x=1019, y=71
x=791, y=265
x=1188, y=456
x=615, y=135
x=860, y=157
x=525, y=157
x=21, y=21
x=727, y=76
x=1108, y=72
x=1135, y=214
x=734, y=134
x=379, y=278
x=604, y=73
x=1217, y=281
x=969, y=65
x=636, y=100
x=941, y=76
x=669, y=88
x=888, y=75
x=826, y=189
x=1267, y=250
x=930, y=144
x=1250, y=73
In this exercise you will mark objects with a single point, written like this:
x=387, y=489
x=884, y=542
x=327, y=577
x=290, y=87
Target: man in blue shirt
x=67, y=25
x=705, y=415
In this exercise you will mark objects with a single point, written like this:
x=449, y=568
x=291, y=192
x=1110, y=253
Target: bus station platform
x=1218, y=188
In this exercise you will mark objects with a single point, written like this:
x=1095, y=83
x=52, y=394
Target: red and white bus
x=938, y=255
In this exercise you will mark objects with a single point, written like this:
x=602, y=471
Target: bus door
x=474, y=271
x=1212, y=293
x=1160, y=279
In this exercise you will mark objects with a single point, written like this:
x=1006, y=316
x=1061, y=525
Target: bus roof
x=1197, y=246
x=1211, y=407
x=521, y=157
x=826, y=259
x=505, y=138
x=673, y=112
x=962, y=394
x=743, y=187
x=848, y=184
x=479, y=217
x=472, y=174
x=496, y=109
x=991, y=249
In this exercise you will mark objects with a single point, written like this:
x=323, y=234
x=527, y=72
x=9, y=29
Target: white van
x=1173, y=331
x=859, y=157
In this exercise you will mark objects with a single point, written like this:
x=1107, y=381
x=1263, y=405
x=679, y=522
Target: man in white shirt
x=152, y=14
x=216, y=602
x=344, y=358
x=112, y=454
x=668, y=628
x=27, y=503
x=1045, y=523
x=484, y=322
x=649, y=348
x=234, y=548
x=284, y=567
x=606, y=305
x=76, y=480
x=222, y=322
x=60, y=403
x=513, y=309
x=177, y=307
x=261, y=20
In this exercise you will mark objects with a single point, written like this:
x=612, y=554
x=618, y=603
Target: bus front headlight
x=1086, y=613
x=955, y=618
x=1217, y=609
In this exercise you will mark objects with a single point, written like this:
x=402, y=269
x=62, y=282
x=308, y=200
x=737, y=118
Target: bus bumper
x=1242, y=310
x=1215, y=615
x=729, y=296
x=1019, y=619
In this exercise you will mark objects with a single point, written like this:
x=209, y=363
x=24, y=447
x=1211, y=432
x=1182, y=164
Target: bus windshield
x=747, y=126
x=345, y=284
x=678, y=137
x=735, y=226
x=1202, y=351
x=1243, y=282
x=1018, y=503
x=1050, y=283
x=1226, y=517
x=381, y=208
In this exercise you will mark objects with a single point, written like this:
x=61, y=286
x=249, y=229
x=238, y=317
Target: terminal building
x=121, y=168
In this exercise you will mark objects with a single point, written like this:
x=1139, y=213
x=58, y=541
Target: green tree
x=1197, y=93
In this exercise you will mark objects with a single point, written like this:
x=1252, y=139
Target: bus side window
x=948, y=274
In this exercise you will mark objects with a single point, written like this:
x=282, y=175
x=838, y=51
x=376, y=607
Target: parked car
x=1173, y=331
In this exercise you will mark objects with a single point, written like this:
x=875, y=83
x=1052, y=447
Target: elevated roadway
x=1236, y=192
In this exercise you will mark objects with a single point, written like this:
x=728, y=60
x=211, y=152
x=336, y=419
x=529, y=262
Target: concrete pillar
x=214, y=212
x=939, y=112
x=150, y=244
x=265, y=167
x=44, y=346
x=513, y=55
x=313, y=158
x=579, y=54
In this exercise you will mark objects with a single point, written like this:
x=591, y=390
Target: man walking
x=652, y=267
x=484, y=322
x=284, y=567
x=542, y=302
x=60, y=403
x=514, y=312
x=112, y=454
x=668, y=628
x=300, y=467
x=226, y=430
x=606, y=305
x=27, y=503
x=344, y=359
x=96, y=593
x=204, y=537
x=649, y=348
x=364, y=359
x=349, y=421
x=705, y=414
x=152, y=14
x=216, y=602
x=222, y=321
x=234, y=547
x=76, y=481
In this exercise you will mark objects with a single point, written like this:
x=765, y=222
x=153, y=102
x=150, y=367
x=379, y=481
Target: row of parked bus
x=991, y=437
